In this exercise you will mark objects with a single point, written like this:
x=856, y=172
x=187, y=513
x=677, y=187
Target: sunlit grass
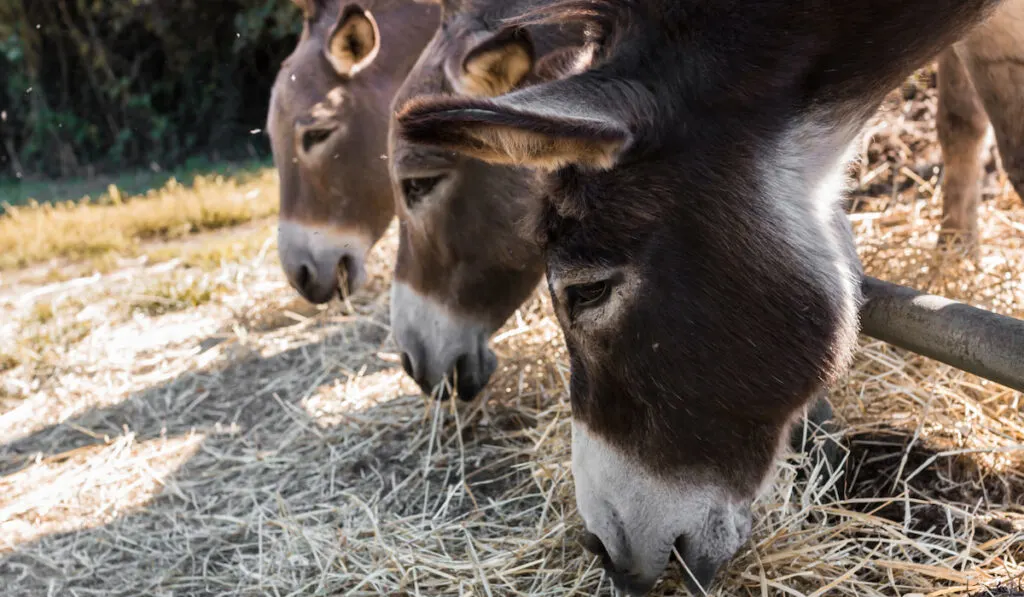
x=213, y=253
x=115, y=225
x=174, y=294
x=86, y=487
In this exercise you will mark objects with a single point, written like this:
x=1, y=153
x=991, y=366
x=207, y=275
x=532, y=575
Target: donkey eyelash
x=587, y=296
x=415, y=189
x=314, y=137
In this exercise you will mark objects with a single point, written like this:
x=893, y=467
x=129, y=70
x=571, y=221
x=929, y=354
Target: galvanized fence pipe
x=974, y=340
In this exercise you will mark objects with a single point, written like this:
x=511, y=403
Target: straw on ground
x=252, y=444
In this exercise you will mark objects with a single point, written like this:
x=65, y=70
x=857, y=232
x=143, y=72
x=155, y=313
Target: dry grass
x=255, y=445
x=212, y=253
x=116, y=225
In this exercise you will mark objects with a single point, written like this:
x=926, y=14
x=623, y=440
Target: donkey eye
x=415, y=189
x=586, y=296
x=314, y=137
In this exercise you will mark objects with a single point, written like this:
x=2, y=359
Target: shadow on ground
x=271, y=500
x=895, y=475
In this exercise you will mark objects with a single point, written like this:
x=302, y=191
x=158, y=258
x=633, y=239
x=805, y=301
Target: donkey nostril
x=469, y=377
x=593, y=544
x=680, y=544
x=346, y=274
x=699, y=571
x=304, y=277
x=417, y=376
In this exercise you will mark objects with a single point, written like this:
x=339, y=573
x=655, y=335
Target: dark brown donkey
x=981, y=78
x=463, y=265
x=328, y=123
x=698, y=260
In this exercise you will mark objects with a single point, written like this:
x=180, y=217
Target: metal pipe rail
x=974, y=340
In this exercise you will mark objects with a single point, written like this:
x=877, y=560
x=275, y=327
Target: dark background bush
x=92, y=86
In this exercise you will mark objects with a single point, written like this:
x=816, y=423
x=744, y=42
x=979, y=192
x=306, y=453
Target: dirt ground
x=193, y=428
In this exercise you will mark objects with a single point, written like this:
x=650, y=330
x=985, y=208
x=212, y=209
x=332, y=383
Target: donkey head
x=327, y=123
x=699, y=263
x=463, y=263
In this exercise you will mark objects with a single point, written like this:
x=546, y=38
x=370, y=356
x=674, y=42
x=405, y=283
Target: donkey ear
x=546, y=126
x=563, y=62
x=354, y=41
x=496, y=65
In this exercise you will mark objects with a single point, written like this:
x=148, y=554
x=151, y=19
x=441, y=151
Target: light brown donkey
x=328, y=123
x=981, y=79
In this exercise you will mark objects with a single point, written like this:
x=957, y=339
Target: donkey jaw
x=639, y=519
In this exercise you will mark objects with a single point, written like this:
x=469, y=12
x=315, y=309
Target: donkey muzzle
x=321, y=263
x=442, y=351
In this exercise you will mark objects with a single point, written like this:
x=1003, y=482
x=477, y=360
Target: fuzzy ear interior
x=354, y=41
x=563, y=62
x=496, y=65
x=515, y=132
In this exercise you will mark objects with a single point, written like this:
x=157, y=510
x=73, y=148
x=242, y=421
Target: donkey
x=327, y=123
x=698, y=260
x=463, y=266
x=980, y=79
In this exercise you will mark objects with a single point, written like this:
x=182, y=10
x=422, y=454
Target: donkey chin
x=441, y=350
x=634, y=520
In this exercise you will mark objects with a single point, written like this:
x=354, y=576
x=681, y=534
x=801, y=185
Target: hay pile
x=256, y=446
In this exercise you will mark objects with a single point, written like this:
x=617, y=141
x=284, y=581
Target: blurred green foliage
x=92, y=86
